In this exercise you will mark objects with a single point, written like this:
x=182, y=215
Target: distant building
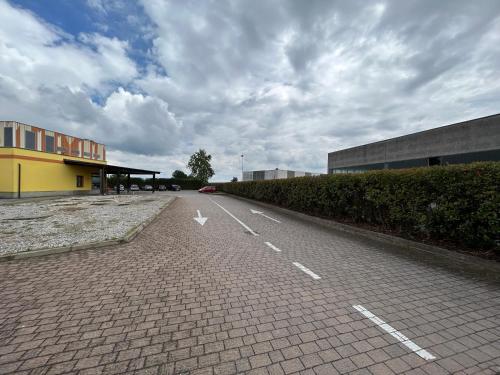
x=464, y=142
x=274, y=174
x=38, y=162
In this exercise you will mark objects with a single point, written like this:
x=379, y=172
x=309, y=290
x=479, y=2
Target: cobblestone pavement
x=216, y=299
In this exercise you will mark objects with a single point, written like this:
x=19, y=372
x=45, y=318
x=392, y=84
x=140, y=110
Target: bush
x=459, y=203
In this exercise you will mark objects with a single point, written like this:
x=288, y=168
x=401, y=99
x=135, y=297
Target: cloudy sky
x=283, y=82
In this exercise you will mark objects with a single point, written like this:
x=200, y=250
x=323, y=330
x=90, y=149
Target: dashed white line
x=272, y=246
x=396, y=334
x=235, y=218
x=306, y=270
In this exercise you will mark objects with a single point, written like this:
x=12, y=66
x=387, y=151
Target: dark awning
x=111, y=169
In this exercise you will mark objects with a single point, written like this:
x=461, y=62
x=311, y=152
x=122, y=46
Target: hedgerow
x=459, y=203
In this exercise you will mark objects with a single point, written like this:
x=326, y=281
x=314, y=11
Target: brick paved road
x=215, y=299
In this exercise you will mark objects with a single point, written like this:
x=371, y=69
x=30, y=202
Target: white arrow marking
x=262, y=214
x=201, y=220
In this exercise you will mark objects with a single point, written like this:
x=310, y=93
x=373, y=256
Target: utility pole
x=242, y=166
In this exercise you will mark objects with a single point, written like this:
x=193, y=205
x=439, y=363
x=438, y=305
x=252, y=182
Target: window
x=29, y=140
x=49, y=143
x=79, y=181
x=7, y=137
x=434, y=161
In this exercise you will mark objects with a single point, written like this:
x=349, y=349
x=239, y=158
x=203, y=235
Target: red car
x=207, y=189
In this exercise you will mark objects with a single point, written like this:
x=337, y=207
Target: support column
x=154, y=184
x=105, y=181
x=102, y=177
x=128, y=183
x=118, y=183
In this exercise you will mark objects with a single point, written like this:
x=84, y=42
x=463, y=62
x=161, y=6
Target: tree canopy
x=179, y=174
x=199, y=164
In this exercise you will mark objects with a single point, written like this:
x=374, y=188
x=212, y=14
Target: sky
x=283, y=82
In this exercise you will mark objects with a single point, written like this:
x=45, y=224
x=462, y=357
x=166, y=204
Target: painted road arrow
x=262, y=214
x=200, y=219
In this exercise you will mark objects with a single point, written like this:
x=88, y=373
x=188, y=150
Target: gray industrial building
x=463, y=142
x=274, y=174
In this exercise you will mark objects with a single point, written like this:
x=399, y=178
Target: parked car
x=207, y=189
x=162, y=188
x=148, y=188
x=174, y=187
x=134, y=187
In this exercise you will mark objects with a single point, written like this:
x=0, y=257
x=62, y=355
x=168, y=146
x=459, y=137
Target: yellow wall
x=41, y=172
x=6, y=174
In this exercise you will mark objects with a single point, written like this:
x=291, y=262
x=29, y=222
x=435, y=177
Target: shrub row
x=459, y=203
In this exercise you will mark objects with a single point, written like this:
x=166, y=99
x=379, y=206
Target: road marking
x=306, y=270
x=235, y=218
x=272, y=246
x=262, y=214
x=396, y=334
x=200, y=219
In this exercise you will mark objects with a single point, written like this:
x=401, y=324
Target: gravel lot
x=53, y=222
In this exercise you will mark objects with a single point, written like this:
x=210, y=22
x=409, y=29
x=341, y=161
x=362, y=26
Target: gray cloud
x=283, y=82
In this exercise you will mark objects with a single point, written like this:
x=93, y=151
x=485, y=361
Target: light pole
x=242, y=166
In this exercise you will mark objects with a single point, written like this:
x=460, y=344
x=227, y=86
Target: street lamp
x=242, y=166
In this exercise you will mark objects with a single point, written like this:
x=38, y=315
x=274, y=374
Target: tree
x=234, y=179
x=179, y=174
x=199, y=164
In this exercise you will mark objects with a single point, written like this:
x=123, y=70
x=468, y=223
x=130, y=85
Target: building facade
x=274, y=174
x=33, y=162
x=464, y=142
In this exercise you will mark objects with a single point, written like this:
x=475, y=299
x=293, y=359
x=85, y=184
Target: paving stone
x=215, y=300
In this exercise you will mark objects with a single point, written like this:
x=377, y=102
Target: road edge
x=485, y=268
x=128, y=237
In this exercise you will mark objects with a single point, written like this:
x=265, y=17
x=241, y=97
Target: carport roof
x=112, y=169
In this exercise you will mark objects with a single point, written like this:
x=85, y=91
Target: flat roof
x=419, y=132
x=113, y=169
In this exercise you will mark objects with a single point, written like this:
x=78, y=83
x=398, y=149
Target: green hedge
x=459, y=203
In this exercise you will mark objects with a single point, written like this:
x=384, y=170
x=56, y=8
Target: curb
x=128, y=237
x=448, y=258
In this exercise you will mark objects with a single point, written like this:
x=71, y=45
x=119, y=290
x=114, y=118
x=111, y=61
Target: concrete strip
x=131, y=234
x=465, y=263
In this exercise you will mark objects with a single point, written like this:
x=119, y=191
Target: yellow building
x=38, y=162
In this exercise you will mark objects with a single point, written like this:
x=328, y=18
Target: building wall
x=273, y=174
x=6, y=173
x=469, y=137
x=33, y=138
x=41, y=173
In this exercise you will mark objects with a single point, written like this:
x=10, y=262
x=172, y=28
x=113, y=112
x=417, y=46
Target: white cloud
x=283, y=82
x=36, y=54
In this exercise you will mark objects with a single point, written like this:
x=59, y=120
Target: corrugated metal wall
x=14, y=134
